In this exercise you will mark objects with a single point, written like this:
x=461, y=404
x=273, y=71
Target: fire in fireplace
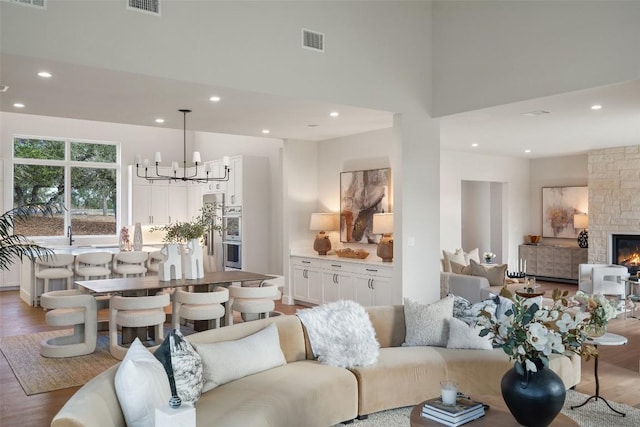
x=626, y=251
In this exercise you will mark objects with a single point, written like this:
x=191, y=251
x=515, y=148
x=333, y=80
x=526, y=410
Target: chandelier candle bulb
x=138, y=159
x=196, y=157
x=145, y=163
x=174, y=167
x=157, y=157
x=225, y=161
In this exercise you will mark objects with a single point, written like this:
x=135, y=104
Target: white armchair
x=606, y=279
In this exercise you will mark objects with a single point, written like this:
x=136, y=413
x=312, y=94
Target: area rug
x=37, y=374
x=593, y=414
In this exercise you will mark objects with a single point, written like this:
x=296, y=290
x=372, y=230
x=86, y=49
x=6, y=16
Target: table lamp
x=322, y=222
x=581, y=221
x=383, y=224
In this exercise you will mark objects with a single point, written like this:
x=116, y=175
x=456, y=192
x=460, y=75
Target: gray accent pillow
x=426, y=324
x=496, y=275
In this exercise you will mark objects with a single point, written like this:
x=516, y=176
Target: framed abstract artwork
x=362, y=194
x=559, y=205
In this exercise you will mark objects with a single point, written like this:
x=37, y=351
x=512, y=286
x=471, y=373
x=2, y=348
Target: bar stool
x=70, y=308
x=199, y=306
x=136, y=312
x=129, y=263
x=56, y=266
x=93, y=264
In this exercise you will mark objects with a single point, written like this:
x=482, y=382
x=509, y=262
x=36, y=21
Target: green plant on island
x=183, y=231
x=13, y=247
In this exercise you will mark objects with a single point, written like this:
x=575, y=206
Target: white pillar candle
x=449, y=392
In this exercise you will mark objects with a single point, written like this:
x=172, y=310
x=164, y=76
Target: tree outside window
x=76, y=179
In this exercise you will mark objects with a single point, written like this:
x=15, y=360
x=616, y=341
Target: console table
x=553, y=262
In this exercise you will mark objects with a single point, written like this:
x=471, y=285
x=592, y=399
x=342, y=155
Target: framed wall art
x=362, y=194
x=559, y=205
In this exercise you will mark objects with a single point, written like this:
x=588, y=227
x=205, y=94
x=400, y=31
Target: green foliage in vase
x=182, y=232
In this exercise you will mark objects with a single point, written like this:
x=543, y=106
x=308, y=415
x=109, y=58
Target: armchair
x=603, y=279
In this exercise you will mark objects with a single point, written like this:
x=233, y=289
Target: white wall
x=378, y=55
x=513, y=173
x=493, y=52
x=565, y=171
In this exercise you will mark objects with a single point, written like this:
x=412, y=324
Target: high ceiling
x=79, y=92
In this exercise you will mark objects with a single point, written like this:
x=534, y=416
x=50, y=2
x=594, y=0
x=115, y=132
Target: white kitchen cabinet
x=158, y=202
x=216, y=171
x=308, y=282
x=234, y=185
x=327, y=279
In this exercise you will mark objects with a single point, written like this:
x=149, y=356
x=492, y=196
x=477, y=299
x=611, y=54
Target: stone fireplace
x=614, y=204
x=625, y=250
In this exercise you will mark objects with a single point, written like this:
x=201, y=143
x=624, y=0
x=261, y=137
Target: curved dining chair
x=257, y=300
x=130, y=263
x=199, y=306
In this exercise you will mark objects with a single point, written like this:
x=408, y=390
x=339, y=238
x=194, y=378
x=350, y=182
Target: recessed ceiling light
x=527, y=151
x=18, y=105
x=159, y=120
x=266, y=131
x=334, y=114
x=475, y=144
x=596, y=107
x=536, y=113
x=44, y=74
x=215, y=99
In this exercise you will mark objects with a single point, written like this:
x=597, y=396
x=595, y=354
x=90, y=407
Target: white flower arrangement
x=529, y=333
x=488, y=256
x=598, y=307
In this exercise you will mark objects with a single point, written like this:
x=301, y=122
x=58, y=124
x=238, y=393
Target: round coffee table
x=497, y=416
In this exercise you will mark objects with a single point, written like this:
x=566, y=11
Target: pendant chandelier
x=157, y=176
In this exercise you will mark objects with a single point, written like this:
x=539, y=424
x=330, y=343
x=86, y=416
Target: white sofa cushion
x=465, y=336
x=426, y=324
x=226, y=361
x=141, y=385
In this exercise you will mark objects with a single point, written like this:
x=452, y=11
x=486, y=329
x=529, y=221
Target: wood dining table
x=150, y=285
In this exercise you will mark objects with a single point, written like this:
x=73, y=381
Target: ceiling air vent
x=35, y=3
x=312, y=40
x=147, y=6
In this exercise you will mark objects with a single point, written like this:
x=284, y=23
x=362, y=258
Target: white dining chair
x=199, y=306
x=257, y=300
x=130, y=263
x=70, y=308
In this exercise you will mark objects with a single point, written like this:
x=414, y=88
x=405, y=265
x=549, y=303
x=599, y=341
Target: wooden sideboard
x=553, y=262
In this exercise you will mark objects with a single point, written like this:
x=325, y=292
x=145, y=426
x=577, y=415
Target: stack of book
x=462, y=412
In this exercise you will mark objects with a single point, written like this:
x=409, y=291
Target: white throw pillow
x=473, y=254
x=141, y=386
x=226, y=361
x=457, y=256
x=341, y=334
x=426, y=324
x=466, y=336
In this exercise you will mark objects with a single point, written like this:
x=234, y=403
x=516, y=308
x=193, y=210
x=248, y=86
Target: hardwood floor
x=619, y=366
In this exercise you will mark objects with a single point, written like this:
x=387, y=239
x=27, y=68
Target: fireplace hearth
x=625, y=250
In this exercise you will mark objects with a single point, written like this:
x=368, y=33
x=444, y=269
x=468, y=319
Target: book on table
x=458, y=422
x=462, y=412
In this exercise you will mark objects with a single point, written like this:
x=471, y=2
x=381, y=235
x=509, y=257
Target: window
x=77, y=179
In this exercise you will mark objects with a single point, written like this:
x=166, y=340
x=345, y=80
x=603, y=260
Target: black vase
x=535, y=398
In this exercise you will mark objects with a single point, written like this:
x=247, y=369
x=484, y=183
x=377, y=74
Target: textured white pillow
x=426, y=324
x=466, y=336
x=341, y=334
x=141, y=386
x=230, y=360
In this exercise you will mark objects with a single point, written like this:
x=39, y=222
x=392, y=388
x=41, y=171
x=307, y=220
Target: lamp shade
x=322, y=222
x=580, y=221
x=383, y=223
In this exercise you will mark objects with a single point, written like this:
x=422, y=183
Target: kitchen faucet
x=70, y=235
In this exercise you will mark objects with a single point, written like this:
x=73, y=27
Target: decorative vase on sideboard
x=535, y=398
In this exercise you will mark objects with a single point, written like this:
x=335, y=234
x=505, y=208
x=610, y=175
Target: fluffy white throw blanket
x=341, y=334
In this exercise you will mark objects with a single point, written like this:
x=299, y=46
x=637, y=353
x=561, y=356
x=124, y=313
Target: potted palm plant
x=13, y=247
